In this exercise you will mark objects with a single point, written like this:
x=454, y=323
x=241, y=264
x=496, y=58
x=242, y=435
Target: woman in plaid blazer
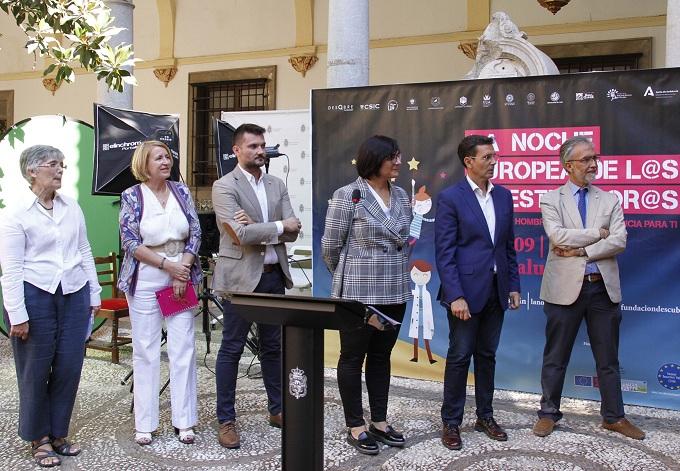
x=373, y=270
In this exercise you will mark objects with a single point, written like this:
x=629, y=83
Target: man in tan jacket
x=255, y=219
x=581, y=280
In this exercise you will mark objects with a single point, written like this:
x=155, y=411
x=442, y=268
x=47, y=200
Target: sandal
x=143, y=438
x=41, y=454
x=186, y=435
x=65, y=448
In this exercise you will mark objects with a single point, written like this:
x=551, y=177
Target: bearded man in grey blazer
x=581, y=280
x=255, y=219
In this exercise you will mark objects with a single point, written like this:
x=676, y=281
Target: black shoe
x=389, y=437
x=491, y=429
x=364, y=444
x=451, y=437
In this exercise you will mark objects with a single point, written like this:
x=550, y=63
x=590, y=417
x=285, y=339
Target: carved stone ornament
x=469, y=49
x=50, y=85
x=553, y=5
x=302, y=63
x=165, y=74
x=503, y=51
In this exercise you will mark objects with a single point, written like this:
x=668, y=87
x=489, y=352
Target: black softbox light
x=116, y=135
x=223, y=136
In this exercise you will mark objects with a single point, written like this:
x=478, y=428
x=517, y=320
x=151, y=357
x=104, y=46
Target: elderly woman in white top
x=50, y=289
x=160, y=236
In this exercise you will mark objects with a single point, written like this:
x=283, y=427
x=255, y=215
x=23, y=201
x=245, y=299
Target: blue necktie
x=582, y=204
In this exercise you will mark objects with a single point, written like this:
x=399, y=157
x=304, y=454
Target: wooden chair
x=113, y=308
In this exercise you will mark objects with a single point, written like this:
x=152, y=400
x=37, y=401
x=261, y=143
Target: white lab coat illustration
x=428, y=322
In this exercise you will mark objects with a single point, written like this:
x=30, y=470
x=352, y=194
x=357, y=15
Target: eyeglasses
x=586, y=160
x=53, y=165
x=487, y=158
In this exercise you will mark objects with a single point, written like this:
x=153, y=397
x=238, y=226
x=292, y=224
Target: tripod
x=207, y=295
x=210, y=319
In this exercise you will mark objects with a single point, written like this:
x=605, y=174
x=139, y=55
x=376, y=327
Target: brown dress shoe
x=451, y=437
x=491, y=429
x=228, y=436
x=276, y=420
x=544, y=427
x=625, y=428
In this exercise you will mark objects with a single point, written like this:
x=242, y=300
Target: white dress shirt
x=270, y=257
x=486, y=203
x=45, y=250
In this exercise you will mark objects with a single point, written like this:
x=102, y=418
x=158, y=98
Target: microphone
x=273, y=151
x=355, y=198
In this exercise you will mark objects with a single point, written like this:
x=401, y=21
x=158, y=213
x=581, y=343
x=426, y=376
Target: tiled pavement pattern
x=103, y=426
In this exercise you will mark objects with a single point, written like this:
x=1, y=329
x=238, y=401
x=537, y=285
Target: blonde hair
x=140, y=158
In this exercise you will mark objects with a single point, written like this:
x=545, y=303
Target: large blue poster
x=632, y=119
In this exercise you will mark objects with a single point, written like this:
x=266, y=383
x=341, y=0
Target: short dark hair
x=468, y=146
x=373, y=152
x=249, y=128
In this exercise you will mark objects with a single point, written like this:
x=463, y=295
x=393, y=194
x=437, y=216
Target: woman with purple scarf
x=160, y=235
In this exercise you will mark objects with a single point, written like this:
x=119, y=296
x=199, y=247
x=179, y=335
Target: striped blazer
x=377, y=260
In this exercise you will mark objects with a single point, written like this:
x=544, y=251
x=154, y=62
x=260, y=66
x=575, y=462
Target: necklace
x=45, y=207
x=161, y=196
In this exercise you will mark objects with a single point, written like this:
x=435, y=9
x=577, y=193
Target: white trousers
x=147, y=321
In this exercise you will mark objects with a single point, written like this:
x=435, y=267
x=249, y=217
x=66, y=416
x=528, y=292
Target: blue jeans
x=478, y=337
x=234, y=335
x=49, y=362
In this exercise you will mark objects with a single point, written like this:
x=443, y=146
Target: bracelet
x=160, y=267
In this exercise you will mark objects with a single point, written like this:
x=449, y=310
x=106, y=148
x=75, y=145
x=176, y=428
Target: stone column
x=122, y=11
x=673, y=33
x=347, y=43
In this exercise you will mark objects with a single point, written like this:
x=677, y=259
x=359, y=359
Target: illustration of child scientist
x=421, y=310
x=421, y=206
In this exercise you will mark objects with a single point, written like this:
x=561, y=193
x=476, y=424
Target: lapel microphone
x=355, y=198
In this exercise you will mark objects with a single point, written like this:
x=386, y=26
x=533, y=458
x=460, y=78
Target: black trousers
x=603, y=318
x=374, y=346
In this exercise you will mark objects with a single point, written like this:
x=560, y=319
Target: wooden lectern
x=303, y=320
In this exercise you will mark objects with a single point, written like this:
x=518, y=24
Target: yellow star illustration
x=413, y=164
x=354, y=161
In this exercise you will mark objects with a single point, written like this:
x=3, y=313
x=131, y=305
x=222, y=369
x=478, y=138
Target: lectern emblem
x=297, y=380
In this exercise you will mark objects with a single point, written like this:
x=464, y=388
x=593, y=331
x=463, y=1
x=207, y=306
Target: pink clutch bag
x=170, y=306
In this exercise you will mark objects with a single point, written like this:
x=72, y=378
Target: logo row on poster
x=554, y=98
x=668, y=376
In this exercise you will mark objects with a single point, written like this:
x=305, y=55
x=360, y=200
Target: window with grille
x=618, y=54
x=570, y=65
x=211, y=93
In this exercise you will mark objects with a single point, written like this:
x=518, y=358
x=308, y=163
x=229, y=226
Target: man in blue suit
x=477, y=264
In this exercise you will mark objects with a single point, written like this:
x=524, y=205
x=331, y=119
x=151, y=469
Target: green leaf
x=49, y=69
